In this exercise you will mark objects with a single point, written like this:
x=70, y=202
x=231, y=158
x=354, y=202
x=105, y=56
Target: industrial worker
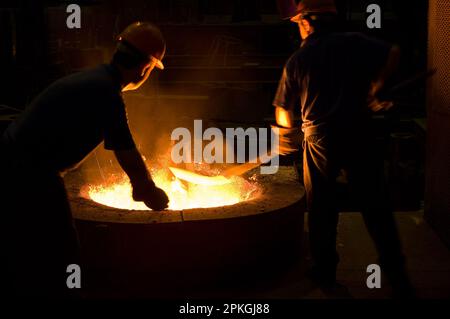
x=335, y=77
x=54, y=134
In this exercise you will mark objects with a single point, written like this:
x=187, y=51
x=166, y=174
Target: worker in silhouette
x=53, y=135
x=335, y=77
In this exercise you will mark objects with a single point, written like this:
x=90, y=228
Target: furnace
x=141, y=248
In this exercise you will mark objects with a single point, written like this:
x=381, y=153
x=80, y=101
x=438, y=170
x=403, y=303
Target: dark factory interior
x=230, y=231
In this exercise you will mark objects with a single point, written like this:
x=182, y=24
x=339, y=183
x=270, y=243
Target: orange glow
x=117, y=192
x=283, y=117
x=199, y=179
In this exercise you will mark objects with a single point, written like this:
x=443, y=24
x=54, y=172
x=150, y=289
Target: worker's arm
x=284, y=118
x=379, y=82
x=287, y=96
x=133, y=165
x=144, y=189
x=289, y=135
x=284, y=102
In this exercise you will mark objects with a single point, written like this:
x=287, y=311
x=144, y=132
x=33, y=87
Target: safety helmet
x=145, y=40
x=289, y=9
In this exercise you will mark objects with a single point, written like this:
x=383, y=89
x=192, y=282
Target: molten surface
x=117, y=192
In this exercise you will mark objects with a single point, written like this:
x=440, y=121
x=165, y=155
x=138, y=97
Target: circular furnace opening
x=209, y=191
x=127, y=249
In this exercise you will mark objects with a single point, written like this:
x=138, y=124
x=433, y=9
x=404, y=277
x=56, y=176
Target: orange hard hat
x=145, y=39
x=316, y=6
x=287, y=8
x=290, y=10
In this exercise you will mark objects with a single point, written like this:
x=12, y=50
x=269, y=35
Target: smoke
x=153, y=113
x=175, y=97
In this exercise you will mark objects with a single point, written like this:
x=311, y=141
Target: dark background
x=236, y=45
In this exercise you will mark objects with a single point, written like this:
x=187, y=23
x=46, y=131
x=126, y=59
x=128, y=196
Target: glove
x=376, y=105
x=157, y=200
x=152, y=196
x=379, y=99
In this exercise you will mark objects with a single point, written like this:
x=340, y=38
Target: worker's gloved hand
x=157, y=199
x=152, y=196
x=379, y=99
x=377, y=105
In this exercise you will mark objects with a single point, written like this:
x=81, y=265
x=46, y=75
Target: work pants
x=324, y=156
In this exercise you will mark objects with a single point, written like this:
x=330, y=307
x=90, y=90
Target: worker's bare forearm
x=132, y=163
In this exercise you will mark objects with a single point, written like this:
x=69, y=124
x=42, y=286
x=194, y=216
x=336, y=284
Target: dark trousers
x=324, y=156
x=38, y=237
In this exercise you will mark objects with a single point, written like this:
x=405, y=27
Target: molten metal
x=117, y=192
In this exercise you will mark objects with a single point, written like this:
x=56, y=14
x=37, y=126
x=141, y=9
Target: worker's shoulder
x=334, y=40
x=299, y=57
x=99, y=78
x=363, y=40
x=315, y=43
x=294, y=59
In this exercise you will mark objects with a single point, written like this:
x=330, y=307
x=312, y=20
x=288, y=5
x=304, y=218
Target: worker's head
x=310, y=15
x=140, y=48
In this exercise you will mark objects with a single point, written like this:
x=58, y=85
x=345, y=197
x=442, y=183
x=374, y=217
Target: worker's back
x=68, y=120
x=329, y=77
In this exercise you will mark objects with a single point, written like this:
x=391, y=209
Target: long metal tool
x=196, y=178
x=221, y=179
x=237, y=170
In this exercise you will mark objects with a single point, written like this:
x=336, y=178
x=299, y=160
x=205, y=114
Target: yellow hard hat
x=146, y=40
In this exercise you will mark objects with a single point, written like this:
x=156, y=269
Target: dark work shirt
x=70, y=119
x=329, y=77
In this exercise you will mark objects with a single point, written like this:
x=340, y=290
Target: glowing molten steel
x=117, y=192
